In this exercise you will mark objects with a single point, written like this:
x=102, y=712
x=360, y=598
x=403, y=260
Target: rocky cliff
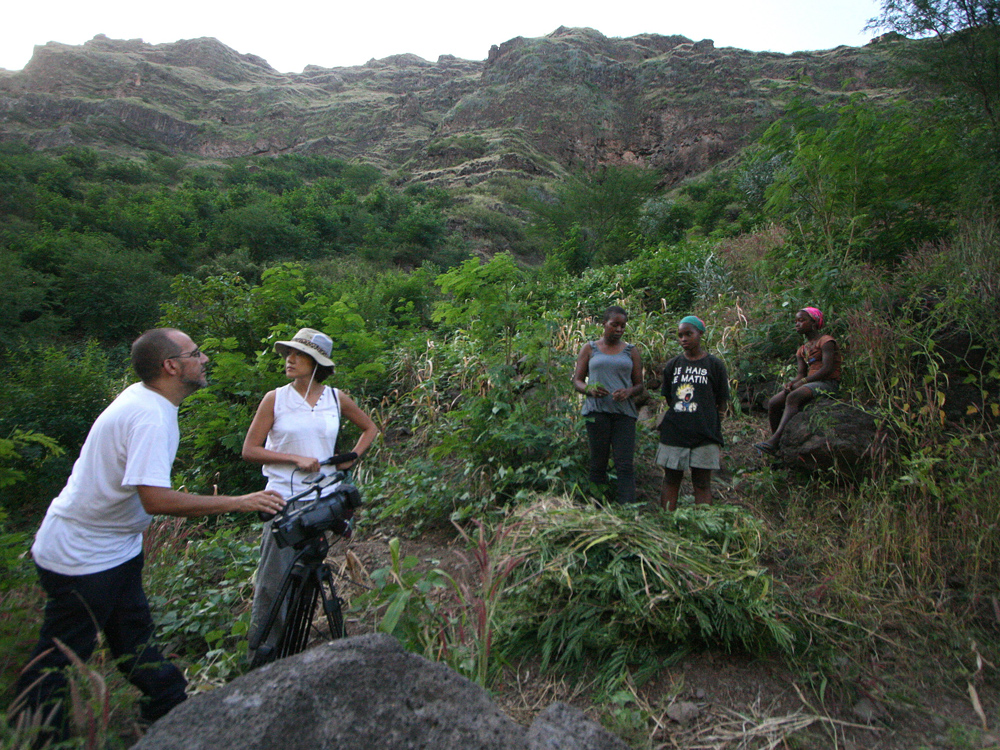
x=573, y=99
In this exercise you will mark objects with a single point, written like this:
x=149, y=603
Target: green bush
x=19, y=453
x=864, y=178
x=237, y=325
x=658, y=279
x=199, y=584
x=57, y=392
x=467, y=145
x=130, y=292
x=604, y=208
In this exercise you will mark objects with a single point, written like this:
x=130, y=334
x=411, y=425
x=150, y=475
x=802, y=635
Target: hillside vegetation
x=459, y=241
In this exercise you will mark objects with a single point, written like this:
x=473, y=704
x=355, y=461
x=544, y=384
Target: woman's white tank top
x=303, y=430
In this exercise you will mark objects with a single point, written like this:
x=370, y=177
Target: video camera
x=332, y=510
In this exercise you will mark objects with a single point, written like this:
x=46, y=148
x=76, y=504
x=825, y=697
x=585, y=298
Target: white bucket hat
x=309, y=341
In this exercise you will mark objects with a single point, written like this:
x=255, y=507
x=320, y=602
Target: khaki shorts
x=682, y=459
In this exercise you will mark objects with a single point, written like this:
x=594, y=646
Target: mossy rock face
x=574, y=98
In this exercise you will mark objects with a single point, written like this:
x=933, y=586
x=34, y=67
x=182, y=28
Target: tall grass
x=614, y=587
x=448, y=618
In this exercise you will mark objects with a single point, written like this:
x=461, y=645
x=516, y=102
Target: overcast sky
x=333, y=33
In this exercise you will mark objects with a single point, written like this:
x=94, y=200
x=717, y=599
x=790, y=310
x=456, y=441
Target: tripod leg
x=308, y=579
x=264, y=652
x=285, y=646
x=299, y=620
x=332, y=604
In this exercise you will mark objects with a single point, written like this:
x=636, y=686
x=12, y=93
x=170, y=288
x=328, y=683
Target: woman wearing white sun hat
x=294, y=430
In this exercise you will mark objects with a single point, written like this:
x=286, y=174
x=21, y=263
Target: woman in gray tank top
x=609, y=373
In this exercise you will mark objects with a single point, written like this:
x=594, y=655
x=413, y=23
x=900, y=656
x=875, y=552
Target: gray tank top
x=613, y=371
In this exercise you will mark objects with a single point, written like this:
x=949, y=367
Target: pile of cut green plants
x=628, y=588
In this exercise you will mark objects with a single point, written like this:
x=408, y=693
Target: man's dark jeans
x=612, y=434
x=114, y=602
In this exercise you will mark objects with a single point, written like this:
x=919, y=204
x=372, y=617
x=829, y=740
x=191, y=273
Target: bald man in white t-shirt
x=88, y=550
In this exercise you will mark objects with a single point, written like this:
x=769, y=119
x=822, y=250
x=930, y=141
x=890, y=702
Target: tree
x=482, y=299
x=862, y=177
x=57, y=391
x=965, y=52
x=603, y=209
x=111, y=294
x=25, y=308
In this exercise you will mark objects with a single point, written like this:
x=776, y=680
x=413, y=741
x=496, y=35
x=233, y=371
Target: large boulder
x=828, y=434
x=363, y=692
x=562, y=727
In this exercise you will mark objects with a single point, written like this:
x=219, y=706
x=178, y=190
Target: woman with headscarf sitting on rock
x=818, y=372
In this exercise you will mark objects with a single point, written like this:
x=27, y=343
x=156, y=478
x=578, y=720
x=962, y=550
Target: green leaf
x=394, y=611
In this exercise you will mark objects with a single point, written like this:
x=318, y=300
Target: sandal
x=766, y=448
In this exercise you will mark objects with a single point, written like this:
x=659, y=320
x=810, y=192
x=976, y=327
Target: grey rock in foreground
x=363, y=692
x=562, y=727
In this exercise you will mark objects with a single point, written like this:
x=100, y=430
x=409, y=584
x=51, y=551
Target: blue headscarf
x=693, y=321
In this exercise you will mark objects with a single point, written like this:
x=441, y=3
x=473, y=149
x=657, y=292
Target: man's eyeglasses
x=193, y=354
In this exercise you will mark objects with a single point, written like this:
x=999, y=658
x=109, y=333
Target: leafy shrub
x=57, y=392
x=14, y=566
x=481, y=299
x=200, y=585
x=664, y=220
x=520, y=438
x=604, y=208
x=658, y=279
x=26, y=304
x=411, y=604
x=419, y=494
x=130, y=292
x=862, y=177
x=244, y=367
x=87, y=239
x=443, y=619
x=464, y=146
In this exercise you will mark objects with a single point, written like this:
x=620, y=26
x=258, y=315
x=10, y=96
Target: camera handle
x=318, y=481
x=317, y=476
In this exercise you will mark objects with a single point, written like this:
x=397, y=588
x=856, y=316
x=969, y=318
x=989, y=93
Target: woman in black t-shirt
x=696, y=386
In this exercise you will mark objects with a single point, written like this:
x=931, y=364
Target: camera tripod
x=308, y=580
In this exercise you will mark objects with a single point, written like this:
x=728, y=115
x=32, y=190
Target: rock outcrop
x=828, y=434
x=573, y=99
x=363, y=692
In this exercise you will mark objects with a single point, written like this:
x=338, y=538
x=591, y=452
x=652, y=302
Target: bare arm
x=722, y=407
x=368, y=429
x=253, y=445
x=829, y=352
x=829, y=356
x=800, y=377
x=723, y=394
x=163, y=501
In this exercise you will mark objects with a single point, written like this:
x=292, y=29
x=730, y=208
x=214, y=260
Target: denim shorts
x=705, y=456
x=829, y=387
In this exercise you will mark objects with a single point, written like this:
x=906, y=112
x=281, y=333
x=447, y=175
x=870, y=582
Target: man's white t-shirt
x=97, y=520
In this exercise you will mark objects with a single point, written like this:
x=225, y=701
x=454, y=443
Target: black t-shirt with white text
x=693, y=390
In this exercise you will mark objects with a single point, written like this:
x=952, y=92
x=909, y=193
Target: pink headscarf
x=816, y=314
